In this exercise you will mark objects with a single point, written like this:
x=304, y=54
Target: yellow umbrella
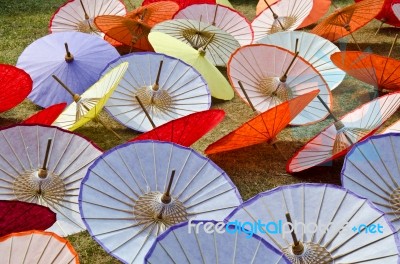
x=219, y=86
x=88, y=105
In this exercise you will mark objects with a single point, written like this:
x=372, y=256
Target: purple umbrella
x=74, y=57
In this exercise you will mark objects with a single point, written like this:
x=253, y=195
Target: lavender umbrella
x=74, y=57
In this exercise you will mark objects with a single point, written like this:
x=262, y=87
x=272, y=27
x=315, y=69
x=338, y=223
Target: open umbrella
x=182, y=243
x=337, y=139
x=167, y=88
x=154, y=13
x=320, y=223
x=314, y=49
x=44, y=165
x=17, y=216
x=78, y=15
x=185, y=130
x=46, y=116
x=182, y=3
x=396, y=10
x=346, y=20
x=15, y=85
x=220, y=44
x=217, y=83
x=137, y=190
x=37, y=247
x=222, y=17
x=388, y=13
x=284, y=15
x=271, y=75
x=264, y=127
x=88, y=106
x=319, y=9
x=75, y=57
x=394, y=128
x=371, y=170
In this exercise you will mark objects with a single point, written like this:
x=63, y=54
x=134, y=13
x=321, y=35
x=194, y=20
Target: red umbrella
x=46, y=116
x=17, y=216
x=185, y=130
x=15, y=85
x=182, y=3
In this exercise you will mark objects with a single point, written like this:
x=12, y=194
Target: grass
x=254, y=169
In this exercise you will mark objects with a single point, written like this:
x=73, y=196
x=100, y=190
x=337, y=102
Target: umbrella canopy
x=15, y=85
x=396, y=11
x=78, y=63
x=329, y=223
x=337, y=139
x=17, y=216
x=264, y=127
x=179, y=245
x=167, y=87
x=182, y=3
x=344, y=21
x=314, y=49
x=222, y=17
x=376, y=70
x=271, y=75
x=79, y=15
x=186, y=130
x=46, y=116
x=319, y=9
x=154, y=13
x=284, y=15
x=394, y=128
x=220, y=44
x=388, y=13
x=88, y=106
x=217, y=83
x=37, y=247
x=154, y=185
x=370, y=170
x=44, y=165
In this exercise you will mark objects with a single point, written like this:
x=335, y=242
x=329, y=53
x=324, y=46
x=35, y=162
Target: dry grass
x=254, y=169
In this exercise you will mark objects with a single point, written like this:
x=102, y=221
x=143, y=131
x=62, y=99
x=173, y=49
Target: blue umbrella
x=74, y=57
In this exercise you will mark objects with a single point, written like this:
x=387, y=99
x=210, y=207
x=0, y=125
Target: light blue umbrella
x=74, y=57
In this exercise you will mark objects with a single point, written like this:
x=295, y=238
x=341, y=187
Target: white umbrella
x=137, y=190
x=393, y=128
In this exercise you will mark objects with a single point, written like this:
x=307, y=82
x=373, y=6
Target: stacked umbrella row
x=137, y=198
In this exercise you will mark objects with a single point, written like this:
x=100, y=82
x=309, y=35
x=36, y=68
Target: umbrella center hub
x=87, y=26
x=282, y=24
x=158, y=100
x=346, y=137
x=196, y=38
x=149, y=208
x=395, y=201
x=30, y=187
x=313, y=253
x=273, y=87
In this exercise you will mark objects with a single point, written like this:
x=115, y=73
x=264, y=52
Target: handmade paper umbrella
x=44, y=165
x=17, y=216
x=166, y=88
x=181, y=243
x=154, y=13
x=388, y=13
x=371, y=170
x=271, y=75
x=319, y=9
x=222, y=17
x=88, y=106
x=396, y=10
x=37, y=247
x=15, y=85
x=75, y=57
x=46, y=116
x=337, y=139
x=217, y=83
x=321, y=223
x=394, y=128
x=135, y=191
x=314, y=49
x=284, y=15
x=182, y=3
x=346, y=20
x=264, y=127
x=376, y=70
x=78, y=15
x=220, y=44
x=185, y=130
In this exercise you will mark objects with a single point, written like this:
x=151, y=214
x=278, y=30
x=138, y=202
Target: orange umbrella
x=346, y=20
x=379, y=71
x=182, y=3
x=264, y=127
x=154, y=13
x=319, y=9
